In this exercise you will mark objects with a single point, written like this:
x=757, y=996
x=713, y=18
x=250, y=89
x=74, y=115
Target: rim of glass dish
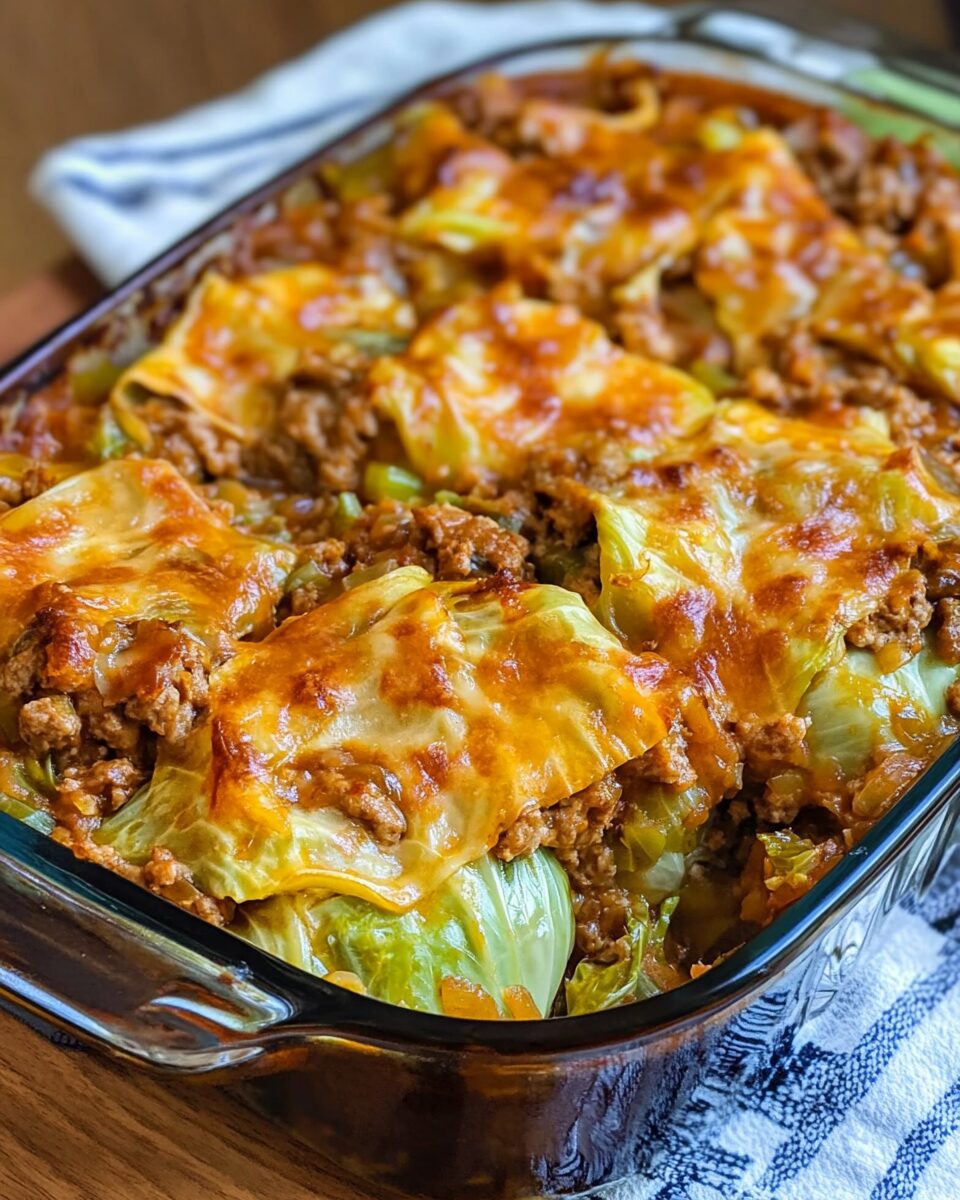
x=325, y=1010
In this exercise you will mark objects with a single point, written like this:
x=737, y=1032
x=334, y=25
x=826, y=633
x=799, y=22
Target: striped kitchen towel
x=862, y=1103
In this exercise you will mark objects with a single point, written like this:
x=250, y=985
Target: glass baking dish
x=435, y=1106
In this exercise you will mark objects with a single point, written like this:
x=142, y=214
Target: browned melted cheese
x=131, y=541
x=379, y=742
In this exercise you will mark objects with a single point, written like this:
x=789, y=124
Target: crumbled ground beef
x=35, y=478
x=110, y=726
x=832, y=150
x=948, y=629
x=167, y=877
x=941, y=564
x=805, y=378
x=327, y=413
x=575, y=829
x=666, y=762
x=447, y=541
x=901, y=197
x=174, y=690
x=366, y=796
x=99, y=789
x=466, y=544
x=902, y=617
x=86, y=694
x=49, y=723
x=189, y=441
x=772, y=745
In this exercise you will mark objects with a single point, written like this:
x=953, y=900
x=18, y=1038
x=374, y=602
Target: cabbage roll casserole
x=524, y=559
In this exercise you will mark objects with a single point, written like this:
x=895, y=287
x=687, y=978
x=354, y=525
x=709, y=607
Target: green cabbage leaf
x=859, y=714
x=595, y=986
x=496, y=925
x=746, y=554
x=452, y=706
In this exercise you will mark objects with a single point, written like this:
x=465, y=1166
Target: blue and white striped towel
x=863, y=1103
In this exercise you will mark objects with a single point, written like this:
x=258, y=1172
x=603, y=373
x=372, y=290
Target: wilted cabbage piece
x=745, y=556
x=379, y=742
x=600, y=201
x=769, y=243
x=871, y=729
x=131, y=540
x=505, y=928
x=927, y=347
x=26, y=786
x=657, y=838
x=495, y=377
x=595, y=986
x=239, y=339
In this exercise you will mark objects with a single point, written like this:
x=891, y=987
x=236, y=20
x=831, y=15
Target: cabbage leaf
x=755, y=546
x=860, y=715
x=595, y=986
x=495, y=925
x=449, y=707
x=497, y=376
x=238, y=339
x=131, y=540
x=657, y=838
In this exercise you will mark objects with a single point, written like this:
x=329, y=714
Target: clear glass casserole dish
x=432, y=1105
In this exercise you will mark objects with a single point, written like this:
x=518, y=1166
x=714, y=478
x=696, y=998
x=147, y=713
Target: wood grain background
x=77, y=66
x=72, y=1125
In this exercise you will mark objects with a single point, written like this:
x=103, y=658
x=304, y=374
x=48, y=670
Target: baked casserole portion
x=521, y=564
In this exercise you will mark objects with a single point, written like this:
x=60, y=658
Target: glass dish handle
x=112, y=965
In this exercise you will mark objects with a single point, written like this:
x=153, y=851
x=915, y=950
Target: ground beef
x=805, y=378
x=466, y=544
x=189, y=441
x=941, y=564
x=105, y=690
x=832, y=150
x=169, y=706
x=902, y=198
x=447, y=541
x=366, y=796
x=948, y=629
x=666, y=763
x=329, y=417
x=575, y=829
x=644, y=330
x=601, y=921
x=167, y=877
x=772, y=745
x=99, y=789
x=110, y=726
x=20, y=672
x=34, y=478
x=902, y=617
x=49, y=723
x=953, y=699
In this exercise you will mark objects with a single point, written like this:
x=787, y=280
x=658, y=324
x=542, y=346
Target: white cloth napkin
x=864, y=1102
